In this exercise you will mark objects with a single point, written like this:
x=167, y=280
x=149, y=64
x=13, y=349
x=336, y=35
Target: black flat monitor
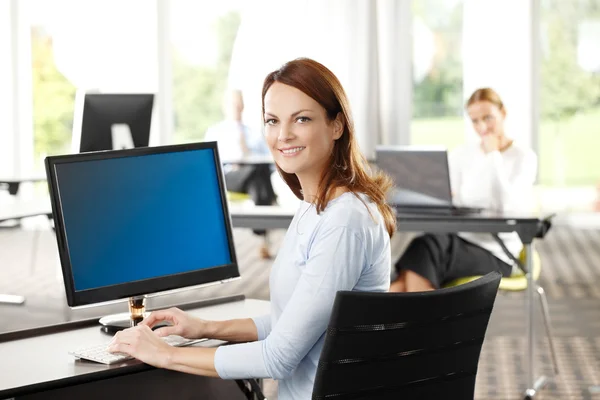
x=135, y=222
x=421, y=175
x=105, y=121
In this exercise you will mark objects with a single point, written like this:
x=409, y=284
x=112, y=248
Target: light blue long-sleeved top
x=346, y=247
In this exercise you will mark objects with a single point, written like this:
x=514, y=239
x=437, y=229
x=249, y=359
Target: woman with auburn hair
x=495, y=173
x=339, y=239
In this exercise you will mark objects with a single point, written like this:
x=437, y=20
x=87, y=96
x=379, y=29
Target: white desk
x=13, y=183
x=37, y=360
x=19, y=210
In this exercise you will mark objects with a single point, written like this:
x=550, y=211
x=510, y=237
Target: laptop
x=421, y=180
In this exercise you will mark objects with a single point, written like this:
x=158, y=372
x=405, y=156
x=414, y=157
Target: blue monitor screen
x=138, y=217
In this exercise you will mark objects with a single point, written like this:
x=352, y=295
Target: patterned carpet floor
x=570, y=276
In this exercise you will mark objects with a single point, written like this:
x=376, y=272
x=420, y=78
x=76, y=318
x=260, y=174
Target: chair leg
x=547, y=324
x=251, y=389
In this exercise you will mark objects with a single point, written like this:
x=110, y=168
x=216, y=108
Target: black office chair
x=406, y=345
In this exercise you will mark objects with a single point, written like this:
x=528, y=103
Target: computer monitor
x=130, y=223
x=421, y=175
x=105, y=121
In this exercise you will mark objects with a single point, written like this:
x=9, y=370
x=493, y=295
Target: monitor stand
x=116, y=322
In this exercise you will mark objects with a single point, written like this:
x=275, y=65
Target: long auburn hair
x=348, y=167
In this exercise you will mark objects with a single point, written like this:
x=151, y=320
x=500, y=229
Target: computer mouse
x=111, y=329
x=160, y=325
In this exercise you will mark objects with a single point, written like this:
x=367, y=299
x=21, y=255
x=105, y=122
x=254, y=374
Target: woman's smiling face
x=298, y=131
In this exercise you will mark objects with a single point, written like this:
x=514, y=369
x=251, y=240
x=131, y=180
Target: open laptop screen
x=421, y=176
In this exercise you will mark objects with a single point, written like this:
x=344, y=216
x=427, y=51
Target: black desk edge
x=84, y=323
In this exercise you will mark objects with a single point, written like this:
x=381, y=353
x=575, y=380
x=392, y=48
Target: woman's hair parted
x=485, y=94
x=349, y=169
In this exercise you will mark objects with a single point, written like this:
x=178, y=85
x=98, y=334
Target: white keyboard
x=99, y=353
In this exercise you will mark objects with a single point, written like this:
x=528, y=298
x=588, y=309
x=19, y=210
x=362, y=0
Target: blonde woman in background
x=495, y=173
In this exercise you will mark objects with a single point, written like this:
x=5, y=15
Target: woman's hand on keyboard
x=182, y=323
x=142, y=343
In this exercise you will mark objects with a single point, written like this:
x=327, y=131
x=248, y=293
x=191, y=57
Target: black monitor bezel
x=147, y=286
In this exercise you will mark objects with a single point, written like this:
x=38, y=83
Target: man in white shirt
x=237, y=142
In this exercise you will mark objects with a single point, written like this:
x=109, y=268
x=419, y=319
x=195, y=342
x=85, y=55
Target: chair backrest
x=406, y=346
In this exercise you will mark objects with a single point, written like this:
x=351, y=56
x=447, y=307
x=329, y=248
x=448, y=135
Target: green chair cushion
x=516, y=282
x=236, y=196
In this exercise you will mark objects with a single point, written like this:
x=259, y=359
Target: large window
x=570, y=93
x=67, y=51
x=108, y=46
x=202, y=41
x=53, y=94
x=437, y=73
